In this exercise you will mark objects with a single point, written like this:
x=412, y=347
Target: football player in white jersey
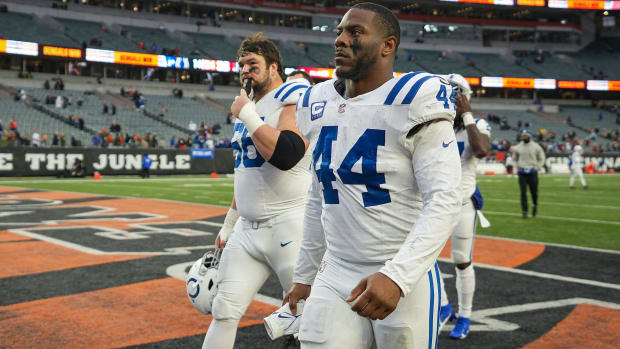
x=473, y=139
x=262, y=230
x=384, y=196
x=576, y=167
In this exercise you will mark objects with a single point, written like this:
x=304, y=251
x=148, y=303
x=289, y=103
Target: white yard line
x=555, y=203
x=573, y=247
x=568, y=219
x=543, y=275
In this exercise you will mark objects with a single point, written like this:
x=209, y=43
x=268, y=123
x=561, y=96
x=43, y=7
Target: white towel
x=484, y=222
x=283, y=321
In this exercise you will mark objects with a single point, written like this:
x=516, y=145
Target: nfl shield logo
x=341, y=108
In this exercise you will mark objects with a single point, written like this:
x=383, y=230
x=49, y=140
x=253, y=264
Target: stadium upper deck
x=439, y=38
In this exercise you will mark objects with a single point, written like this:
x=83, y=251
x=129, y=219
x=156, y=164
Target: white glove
x=283, y=322
x=484, y=222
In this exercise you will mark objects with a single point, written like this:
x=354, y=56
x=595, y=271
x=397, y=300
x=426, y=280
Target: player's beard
x=261, y=82
x=366, y=58
x=259, y=87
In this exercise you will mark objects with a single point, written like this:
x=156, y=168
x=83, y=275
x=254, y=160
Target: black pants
x=146, y=172
x=528, y=180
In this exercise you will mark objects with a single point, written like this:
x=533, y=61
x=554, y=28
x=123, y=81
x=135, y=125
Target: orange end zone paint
x=23, y=258
x=109, y=318
x=587, y=326
x=503, y=253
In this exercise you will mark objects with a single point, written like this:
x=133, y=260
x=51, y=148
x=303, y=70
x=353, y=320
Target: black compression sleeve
x=289, y=150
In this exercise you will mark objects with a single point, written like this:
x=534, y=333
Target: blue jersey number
x=442, y=96
x=241, y=145
x=366, y=149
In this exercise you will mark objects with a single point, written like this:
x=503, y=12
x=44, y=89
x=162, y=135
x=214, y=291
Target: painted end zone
x=133, y=314
x=44, y=195
x=587, y=326
x=5, y=236
x=32, y=257
x=503, y=253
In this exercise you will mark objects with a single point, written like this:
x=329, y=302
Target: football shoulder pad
x=290, y=92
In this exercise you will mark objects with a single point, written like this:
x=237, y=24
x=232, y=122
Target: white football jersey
x=468, y=160
x=263, y=191
x=360, y=157
x=577, y=160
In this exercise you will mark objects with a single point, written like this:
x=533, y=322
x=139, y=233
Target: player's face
x=358, y=44
x=255, y=68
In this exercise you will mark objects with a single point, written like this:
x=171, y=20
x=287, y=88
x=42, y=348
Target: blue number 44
x=365, y=148
x=442, y=95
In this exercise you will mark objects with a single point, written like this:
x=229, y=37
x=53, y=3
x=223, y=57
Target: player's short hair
x=386, y=19
x=304, y=74
x=259, y=44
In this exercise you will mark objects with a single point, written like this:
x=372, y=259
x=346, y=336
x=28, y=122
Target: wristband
x=468, y=119
x=229, y=223
x=250, y=118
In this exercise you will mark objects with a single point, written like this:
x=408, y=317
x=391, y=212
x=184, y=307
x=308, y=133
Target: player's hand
x=376, y=296
x=295, y=294
x=222, y=237
x=219, y=243
x=239, y=103
x=462, y=104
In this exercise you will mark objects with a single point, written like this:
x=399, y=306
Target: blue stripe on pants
x=430, y=311
x=438, y=301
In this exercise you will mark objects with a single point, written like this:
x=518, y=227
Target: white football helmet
x=202, y=281
x=461, y=83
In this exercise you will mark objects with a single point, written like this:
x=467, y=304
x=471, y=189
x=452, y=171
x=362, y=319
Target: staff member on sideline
x=530, y=158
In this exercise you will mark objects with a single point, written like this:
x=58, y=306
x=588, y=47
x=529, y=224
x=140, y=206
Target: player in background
x=300, y=74
x=509, y=164
x=262, y=230
x=530, y=159
x=384, y=196
x=473, y=139
x=576, y=168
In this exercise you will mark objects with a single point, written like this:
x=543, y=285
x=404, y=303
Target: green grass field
x=589, y=218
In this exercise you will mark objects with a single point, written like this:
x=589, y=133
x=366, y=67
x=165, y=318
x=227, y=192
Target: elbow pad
x=289, y=150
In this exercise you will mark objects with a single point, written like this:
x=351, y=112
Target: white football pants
x=329, y=322
x=576, y=171
x=462, y=241
x=252, y=252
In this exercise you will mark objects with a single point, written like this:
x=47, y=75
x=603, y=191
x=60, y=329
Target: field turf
x=588, y=218
x=102, y=264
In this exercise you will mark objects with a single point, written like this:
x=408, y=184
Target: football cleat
x=534, y=211
x=446, y=314
x=461, y=329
